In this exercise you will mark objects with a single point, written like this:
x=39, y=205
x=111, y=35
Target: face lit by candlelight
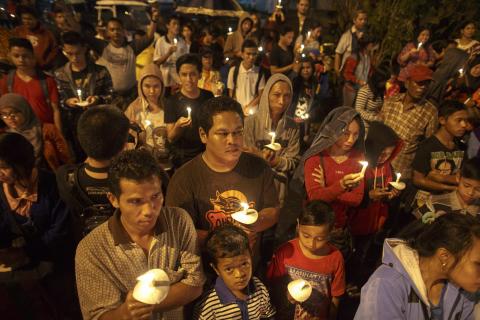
x=385, y=155
x=236, y=272
x=349, y=137
x=313, y=240
x=279, y=97
x=152, y=88
x=423, y=36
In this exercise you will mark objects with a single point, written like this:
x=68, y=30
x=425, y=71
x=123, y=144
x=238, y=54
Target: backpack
x=261, y=73
x=43, y=83
x=91, y=214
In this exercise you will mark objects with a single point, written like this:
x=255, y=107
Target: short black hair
x=215, y=106
x=20, y=43
x=226, y=241
x=73, y=38
x=120, y=22
x=285, y=29
x=249, y=43
x=137, y=165
x=189, y=58
x=102, y=131
x=21, y=10
x=317, y=213
x=17, y=153
x=173, y=17
x=471, y=168
x=449, y=107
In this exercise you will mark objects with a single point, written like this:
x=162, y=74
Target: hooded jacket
x=138, y=111
x=258, y=126
x=235, y=40
x=396, y=290
x=369, y=217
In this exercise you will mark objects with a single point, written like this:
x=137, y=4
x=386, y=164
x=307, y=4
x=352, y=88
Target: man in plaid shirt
x=410, y=116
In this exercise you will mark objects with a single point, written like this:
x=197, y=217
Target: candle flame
x=399, y=175
x=189, y=109
x=364, y=163
x=148, y=122
x=260, y=49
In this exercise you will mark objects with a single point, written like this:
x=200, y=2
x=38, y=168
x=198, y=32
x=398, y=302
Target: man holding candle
x=141, y=235
x=182, y=125
x=167, y=50
x=80, y=80
x=214, y=184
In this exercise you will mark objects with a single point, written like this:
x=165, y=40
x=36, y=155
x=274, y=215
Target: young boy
x=245, y=81
x=439, y=158
x=309, y=257
x=464, y=200
x=236, y=295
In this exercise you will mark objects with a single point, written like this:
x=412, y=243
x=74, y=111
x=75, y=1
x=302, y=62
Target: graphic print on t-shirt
x=446, y=163
x=316, y=307
x=224, y=204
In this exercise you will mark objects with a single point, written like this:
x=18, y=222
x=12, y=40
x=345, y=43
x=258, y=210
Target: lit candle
x=273, y=134
x=302, y=46
x=300, y=290
x=260, y=49
x=230, y=30
x=279, y=4
x=175, y=41
x=79, y=94
x=152, y=287
x=309, y=33
x=364, y=167
x=247, y=215
x=147, y=123
x=227, y=59
x=251, y=111
x=398, y=177
x=460, y=72
x=189, y=110
x=419, y=45
x=303, y=55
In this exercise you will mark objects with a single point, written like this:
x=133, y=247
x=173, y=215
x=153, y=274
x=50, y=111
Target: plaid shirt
x=413, y=125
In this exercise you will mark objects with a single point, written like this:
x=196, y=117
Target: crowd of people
x=250, y=166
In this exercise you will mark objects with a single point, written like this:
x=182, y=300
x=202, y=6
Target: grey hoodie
x=259, y=125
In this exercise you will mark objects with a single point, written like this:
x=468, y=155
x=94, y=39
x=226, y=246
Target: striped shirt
x=368, y=107
x=413, y=125
x=219, y=303
x=108, y=262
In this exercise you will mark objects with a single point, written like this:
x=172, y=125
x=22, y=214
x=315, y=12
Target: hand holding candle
x=275, y=146
x=152, y=287
x=300, y=290
x=246, y=215
x=397, y=184
x=175, y=41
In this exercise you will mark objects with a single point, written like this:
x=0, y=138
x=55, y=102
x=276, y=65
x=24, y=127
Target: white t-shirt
x=245, y=89
x=169, y=72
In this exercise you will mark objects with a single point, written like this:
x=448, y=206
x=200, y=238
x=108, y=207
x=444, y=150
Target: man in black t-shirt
x=182, y=111
x=439, y=158
x=282, y=56
x=224, y=179
x=102, y=132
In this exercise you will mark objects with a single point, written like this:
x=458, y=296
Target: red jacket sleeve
x=276, y=268
x=349, y=69
x=315, y=190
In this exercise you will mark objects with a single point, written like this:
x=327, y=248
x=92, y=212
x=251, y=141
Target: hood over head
x=243, y=17
x=329, y=132
x=20, y=104
x=150, y=70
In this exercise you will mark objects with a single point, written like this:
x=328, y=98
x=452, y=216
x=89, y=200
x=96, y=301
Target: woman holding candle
x=50, y=148
x=365, y=221
x=418, y=51
x=147, y=110
x=426, y=272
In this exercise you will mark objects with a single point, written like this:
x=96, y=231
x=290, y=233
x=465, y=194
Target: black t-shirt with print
x=188, y=145
x=210, y=197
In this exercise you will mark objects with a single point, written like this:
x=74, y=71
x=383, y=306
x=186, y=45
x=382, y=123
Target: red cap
x=417, y=73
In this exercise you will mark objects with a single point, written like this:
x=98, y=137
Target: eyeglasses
x=12, y=114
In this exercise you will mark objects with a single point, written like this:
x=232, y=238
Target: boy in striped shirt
x=235, y=295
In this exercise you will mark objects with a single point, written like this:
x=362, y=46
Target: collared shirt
x=220, y=303
x=108, y=262
x=446, y=203
x=246, y=81
x=413, y=125
x=169, y=72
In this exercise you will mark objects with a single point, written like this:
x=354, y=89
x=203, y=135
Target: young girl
x=312, y=258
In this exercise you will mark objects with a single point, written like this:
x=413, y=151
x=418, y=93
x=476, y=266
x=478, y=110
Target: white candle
x=227, y=59
x=251, y=111
x=273, y=134
x=364, y=167
x=309, y=33
x=302, y=46
x=152, y=287
x=148, y=123
x=303, y=55
x=260, y=49
x=398, y=177
x=175, y=41
x=189, y=110
x=79, y=94
x=460, y=72
x=419, y=45
x=230, y=30
x=246, y=215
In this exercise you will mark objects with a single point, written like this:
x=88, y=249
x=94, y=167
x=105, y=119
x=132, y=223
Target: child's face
x=236, y=272
x=313, y=239
x=385, y=155
x=469, y=190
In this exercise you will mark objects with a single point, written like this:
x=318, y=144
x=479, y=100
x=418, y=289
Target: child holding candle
x=236, y=294
x=310, y=257
x=365, y=221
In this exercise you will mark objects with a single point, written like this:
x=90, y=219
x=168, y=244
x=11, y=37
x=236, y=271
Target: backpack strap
x=261, y=73
x=10, y=79
x=236, y=70
x=75, y=190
